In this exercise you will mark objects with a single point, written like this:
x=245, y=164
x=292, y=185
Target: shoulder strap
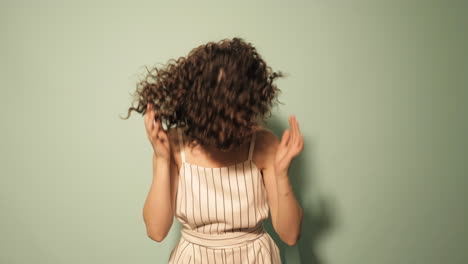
x=252, y=143
x=181, y=144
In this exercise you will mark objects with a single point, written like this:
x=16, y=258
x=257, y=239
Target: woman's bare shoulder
x=265, y=146
x=266, y=137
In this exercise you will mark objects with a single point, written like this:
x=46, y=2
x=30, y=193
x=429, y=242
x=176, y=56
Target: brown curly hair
x=220, y=93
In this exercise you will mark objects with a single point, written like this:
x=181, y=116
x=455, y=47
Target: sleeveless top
x=221, y=211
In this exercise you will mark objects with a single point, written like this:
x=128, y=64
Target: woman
x=219, y=171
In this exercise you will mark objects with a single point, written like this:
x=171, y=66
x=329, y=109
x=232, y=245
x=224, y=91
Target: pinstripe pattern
x=222, y=212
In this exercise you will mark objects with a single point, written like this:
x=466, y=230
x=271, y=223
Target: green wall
x=379, y=89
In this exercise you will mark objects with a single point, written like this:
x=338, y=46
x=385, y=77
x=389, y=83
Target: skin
x=272, y=156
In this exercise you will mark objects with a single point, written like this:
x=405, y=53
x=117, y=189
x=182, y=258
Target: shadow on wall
x=318, y=211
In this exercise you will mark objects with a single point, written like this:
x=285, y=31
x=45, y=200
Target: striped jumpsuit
x=222, y=211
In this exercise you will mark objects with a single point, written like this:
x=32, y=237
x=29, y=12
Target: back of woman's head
x=219, y=93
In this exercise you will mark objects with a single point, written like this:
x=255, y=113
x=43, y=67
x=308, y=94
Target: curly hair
x=219, y=93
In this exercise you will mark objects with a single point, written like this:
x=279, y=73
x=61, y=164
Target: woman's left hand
x=290, y=146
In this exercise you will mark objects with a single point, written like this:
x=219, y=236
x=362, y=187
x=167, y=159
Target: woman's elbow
x=292, y=238
x=156, y=237
x=292, y=241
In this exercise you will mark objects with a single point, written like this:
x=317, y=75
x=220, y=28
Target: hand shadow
x=318, y=211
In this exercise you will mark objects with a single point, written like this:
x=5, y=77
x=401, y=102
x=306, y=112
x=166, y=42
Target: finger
x=301, y=138
x=147, y=122
x=285, y=137
x=157, y=127
x=150, y=121
x=296, y=143
x=162, y=135
x=151, y=111
x=146, y=112
x=293, y=129
x=298, y=135
x=153, y=117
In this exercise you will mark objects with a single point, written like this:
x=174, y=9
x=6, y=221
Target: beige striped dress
x=222, y=211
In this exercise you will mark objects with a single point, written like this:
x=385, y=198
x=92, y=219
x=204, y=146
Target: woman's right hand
x=156, y=134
